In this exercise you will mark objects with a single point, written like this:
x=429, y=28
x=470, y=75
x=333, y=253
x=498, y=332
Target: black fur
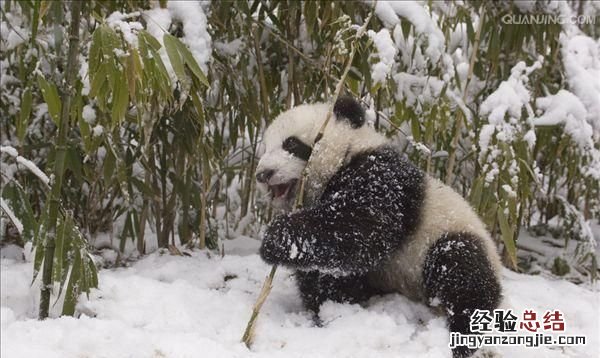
x=458, y=273
x=349, y=109
x=297, y=148
x=317, y=287
x=366, y=211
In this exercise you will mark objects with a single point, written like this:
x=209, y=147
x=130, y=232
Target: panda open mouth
x=284, y=190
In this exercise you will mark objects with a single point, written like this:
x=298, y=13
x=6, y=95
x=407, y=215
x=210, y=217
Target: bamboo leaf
x=120, y=98
x=94, y=56
x=110, y=162
x=415, y=127
x=16, y=198
x=73, y=287
x=198, y=105
x=35, y=20
x=150, y=40
x=38, y=244
x=93, y=272
x=311, y=9
x=44, y=8
x=174, y=56
x=507, y=236
x=476, y=193
x=62, y=230
x=98, y=79
x=190, y=61
x=51, y=97
x=86, y=137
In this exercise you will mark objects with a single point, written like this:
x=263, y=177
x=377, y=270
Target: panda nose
x=264, y=176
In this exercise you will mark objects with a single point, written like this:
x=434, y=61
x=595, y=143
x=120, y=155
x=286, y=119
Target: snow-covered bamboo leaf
x=72, y=292
x=16, y=199
x=86, y=138
x=92, y=272
x=110, y=41
x=60, y=241
x=39, y=243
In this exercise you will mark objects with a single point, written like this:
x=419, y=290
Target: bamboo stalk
x=59, y=163
x=248, y=335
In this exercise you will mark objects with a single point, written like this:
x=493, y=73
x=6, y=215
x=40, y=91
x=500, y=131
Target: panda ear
x=347, y=108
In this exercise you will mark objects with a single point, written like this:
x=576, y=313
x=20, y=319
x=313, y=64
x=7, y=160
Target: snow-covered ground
x=198, y=306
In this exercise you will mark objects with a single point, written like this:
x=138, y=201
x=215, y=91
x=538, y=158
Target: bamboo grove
x=173, y=156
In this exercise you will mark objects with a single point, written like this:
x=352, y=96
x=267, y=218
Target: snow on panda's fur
x=372, y=223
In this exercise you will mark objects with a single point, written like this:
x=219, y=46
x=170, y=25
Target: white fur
x=340, y=141
x=444, y=210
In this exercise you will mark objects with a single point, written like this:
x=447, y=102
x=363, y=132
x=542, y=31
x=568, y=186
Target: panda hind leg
x=458, y=275
x=317, y=287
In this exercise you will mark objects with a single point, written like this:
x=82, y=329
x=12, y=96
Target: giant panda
x=372, y=223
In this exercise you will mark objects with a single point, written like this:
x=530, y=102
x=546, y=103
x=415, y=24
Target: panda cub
x=372, y=223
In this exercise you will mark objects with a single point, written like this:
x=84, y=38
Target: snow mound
x=179, y=306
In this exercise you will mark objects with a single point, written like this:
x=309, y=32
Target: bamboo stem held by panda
x=338, y=89
x=248, y=336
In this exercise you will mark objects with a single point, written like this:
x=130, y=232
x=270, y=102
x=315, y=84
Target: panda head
x=288, y=145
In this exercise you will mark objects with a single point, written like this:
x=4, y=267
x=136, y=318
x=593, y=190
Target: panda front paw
x=271, y=251
x=285, y=243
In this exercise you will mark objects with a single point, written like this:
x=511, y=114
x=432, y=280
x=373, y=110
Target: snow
x=195, y=32
x=179, y=306
x=386, y=50
x=582, y=66
x=33, y=168
x=230, y=48
x=388, y=12
x=9, y=150
x=128, y=29
x=97, y=130
x=25, y=162
x=565, y=108
x=194, y=27
x=510, y=97
x=157, y=23
x=511, y=193
x=13, y=32
x=89, y=114
x=417, y=89
x=11, y=215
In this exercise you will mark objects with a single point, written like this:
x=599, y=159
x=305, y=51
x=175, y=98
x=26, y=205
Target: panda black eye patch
x=297, y=148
